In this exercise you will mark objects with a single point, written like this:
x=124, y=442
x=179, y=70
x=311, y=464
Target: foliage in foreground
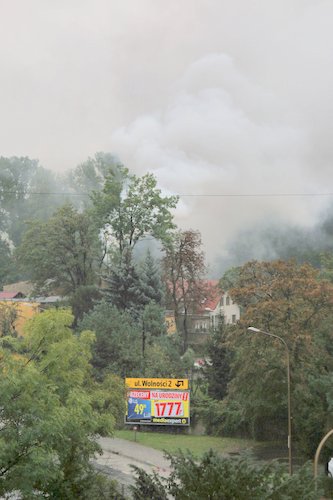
x=216, y=477
x=51, y=411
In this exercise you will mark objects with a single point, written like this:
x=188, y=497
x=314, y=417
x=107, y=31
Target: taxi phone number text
x=169, y=409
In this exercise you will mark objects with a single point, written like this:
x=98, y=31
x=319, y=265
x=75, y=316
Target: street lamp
x=257, y=330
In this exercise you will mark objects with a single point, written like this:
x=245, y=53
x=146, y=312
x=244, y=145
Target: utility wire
x=183, y=195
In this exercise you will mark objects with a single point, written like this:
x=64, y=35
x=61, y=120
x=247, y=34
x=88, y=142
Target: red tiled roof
x=213, y=296
x=212, y=293
x=10, y=295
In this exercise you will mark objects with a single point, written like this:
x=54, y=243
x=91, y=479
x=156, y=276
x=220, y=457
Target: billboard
x=158, y=407
x=157, y=383
x=170, y=323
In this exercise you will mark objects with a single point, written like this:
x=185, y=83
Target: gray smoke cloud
x=214, y=97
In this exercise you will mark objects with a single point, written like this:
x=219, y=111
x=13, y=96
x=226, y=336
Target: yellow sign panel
x=157, y=383
x=170, y=323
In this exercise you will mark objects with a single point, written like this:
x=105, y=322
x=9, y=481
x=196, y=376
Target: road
x=119, y=454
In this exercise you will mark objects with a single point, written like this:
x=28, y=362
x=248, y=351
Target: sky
x=229, y=104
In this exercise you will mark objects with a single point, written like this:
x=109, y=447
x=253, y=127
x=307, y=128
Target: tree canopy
x=288, y=300
x=27, y=191
x=51, y=410
x=63, y=251
x=132, y=207
x=183, y=269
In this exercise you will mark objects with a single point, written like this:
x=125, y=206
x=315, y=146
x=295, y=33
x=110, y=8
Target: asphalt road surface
x=119, y=454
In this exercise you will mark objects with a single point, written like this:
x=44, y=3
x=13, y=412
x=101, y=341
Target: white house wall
x=226, y=308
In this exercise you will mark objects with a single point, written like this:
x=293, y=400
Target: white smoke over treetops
x=214, y=97
x=221, y=134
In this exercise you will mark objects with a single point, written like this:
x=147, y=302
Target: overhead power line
x=254, y=195
x=183, y=195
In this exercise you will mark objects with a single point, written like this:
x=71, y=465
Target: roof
x=11, y=295
x=210, y=293
x=49, y=300
x=214, y=295
x=26, y=287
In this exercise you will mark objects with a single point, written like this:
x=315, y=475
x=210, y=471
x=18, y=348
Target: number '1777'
x=169, y=409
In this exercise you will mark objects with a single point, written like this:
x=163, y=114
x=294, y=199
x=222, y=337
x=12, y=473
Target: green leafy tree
x=27, y=191
x=162, y=359
x=131, y=207
x=51, y=412
x=63, y=251
x=216, y=477
x=89, y=177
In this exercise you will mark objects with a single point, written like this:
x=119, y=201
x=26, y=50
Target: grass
x=196, y=444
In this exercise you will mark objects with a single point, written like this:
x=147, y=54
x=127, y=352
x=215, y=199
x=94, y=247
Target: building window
x=233, y=318
x=227, y=301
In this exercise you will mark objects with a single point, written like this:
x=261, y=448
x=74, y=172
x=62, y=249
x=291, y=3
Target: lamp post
x=257, y=330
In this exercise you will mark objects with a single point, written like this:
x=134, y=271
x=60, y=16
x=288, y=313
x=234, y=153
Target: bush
x=221, y=478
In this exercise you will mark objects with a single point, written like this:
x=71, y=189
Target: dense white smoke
x=214, y=97
x=222, y=134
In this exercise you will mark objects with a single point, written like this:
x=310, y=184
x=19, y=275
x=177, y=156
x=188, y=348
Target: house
x=218, y=307
x=16, y=309
x=11, y=295
x=215, y=307
x=25, y=287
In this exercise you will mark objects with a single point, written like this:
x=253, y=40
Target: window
x=227, y=301
x=233, y=318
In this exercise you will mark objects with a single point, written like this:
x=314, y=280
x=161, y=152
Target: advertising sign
x=170, y=323
x=158, y=407
x=157, y=383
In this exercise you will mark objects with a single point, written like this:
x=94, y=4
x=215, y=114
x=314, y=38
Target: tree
x=118, y=341
x=24, y=185
x=162, y=359
x=6, y=262
x=290, y=301
x=8, y=316
x=118, y=348
x=131, y=207
x=218, y=371
x=153, y=317
x=51, y=411
x=131, y=287
x=150, y=280
x=63, y=251
x=184, y=267
x=83, y=300
x=160, y=351
x=89, y=177
x=214, y=476
x=123, y=288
